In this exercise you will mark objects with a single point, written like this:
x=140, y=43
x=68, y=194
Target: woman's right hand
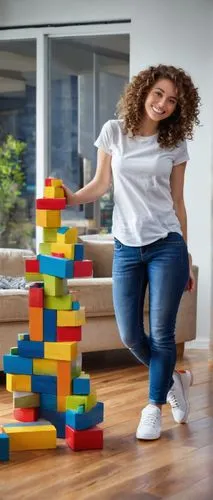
x=69, y=195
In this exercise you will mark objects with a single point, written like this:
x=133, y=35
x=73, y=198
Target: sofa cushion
x=95, y=294
x=13, y=305
x=99, y=249
x=12, y=261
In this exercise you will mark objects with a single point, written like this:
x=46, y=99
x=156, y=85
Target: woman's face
x=161, y=100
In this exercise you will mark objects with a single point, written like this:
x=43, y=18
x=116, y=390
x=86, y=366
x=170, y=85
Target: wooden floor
x=179, y=466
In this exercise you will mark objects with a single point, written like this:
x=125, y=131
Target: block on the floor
x=89, y=439
x=4, y=447
x=31, y=436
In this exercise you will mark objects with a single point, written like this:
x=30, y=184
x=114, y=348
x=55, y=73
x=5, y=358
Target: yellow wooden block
x=53, y=192
x=34, y=277
x=66, y=248
x=56, y=182
x=35, y=437
x=44, y=367
x=62, y=303
x=49, y=234
x=20, y=383
x=55, y=287
x=45, y=248
x=66, y=351
x=69, y=236
x=48, y=218
x=71, y=318
x=73, y=402
x=61, y=403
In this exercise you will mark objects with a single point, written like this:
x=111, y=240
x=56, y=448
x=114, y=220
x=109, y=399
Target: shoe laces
x=173, y=399
x=150, y=418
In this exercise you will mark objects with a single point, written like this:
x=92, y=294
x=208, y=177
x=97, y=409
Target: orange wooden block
x=64, y=378
x=36, y=323
x=61, y=403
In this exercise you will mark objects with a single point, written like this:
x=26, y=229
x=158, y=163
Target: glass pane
x=17, y=143
x=87, y=77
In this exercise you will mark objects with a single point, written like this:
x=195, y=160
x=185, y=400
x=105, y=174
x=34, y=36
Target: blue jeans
x=164, y=266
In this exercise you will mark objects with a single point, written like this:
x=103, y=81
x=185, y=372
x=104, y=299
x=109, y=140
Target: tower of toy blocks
x=52, y=396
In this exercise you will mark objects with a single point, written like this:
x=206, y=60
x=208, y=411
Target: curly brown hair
x=180, y=124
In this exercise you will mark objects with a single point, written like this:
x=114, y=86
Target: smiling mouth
x=157, y=111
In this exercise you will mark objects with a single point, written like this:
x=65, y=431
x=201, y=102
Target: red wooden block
x=48, y=181
x=89, y=439
x=51, y=203
x=32, y=266
x=36, y=296
x=68, y=333
x=83, y=269
x=26, y=414
x=58, y=254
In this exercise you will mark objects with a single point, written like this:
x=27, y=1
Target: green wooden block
x=54, y=286
x=14, y=350
x=45, y=248
x=59, y=303
x=49, y=235
x=33, y=277
x=73, y=402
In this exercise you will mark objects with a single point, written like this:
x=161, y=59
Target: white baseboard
x=197, y=344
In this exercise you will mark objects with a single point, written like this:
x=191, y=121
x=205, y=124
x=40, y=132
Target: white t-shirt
x=143, y=206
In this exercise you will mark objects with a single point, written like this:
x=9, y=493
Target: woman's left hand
x=190, y=287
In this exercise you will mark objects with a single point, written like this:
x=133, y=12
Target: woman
x=145, y=153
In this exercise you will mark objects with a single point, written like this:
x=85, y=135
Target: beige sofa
x=100, y=332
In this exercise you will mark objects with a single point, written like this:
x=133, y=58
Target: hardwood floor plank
x=178, y=465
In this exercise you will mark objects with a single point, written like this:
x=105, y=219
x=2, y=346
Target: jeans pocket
x=117, y=244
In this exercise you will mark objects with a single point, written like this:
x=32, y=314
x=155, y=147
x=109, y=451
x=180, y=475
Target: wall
x=169, y=32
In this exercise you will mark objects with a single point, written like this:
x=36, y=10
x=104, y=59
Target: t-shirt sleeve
x=104, y=140
x=181, y=153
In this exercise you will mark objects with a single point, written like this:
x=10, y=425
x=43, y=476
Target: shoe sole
x=186, y=384
x=147, y=438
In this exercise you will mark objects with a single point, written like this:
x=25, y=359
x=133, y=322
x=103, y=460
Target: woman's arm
x=177, y=188
x=97, y=186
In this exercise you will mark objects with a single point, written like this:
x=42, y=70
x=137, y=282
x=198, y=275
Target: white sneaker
x=178, y=396
x=150, y=423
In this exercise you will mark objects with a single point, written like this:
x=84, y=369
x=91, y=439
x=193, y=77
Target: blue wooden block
x=50, y=325
x=56, y=266
x=23, y=336
x=81, y=386
x=30, y=349
x=4, y=447
x=79, y=251
x=63, y=229
x=57, y=419
x=46, y=384
x=48, y=401
x=81, y=421
x=18, y=365
x=75, y=305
